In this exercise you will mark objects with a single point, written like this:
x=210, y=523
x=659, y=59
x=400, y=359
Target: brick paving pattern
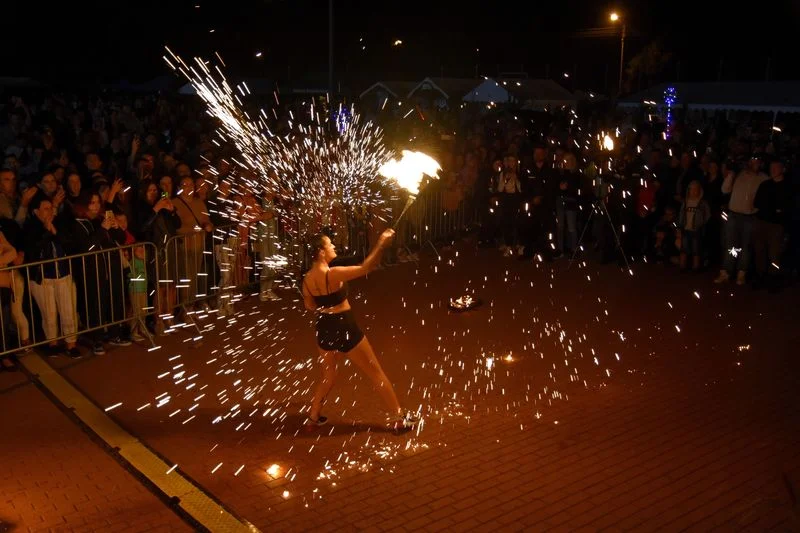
x=55, y=478
x=692, y=429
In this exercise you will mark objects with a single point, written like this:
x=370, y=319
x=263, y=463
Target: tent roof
x=537, y=90
x=449, y=87
x=750, y=96
x=487, y=90
x=398, y=89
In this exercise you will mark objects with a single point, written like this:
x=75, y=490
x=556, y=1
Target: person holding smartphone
x=94, y=229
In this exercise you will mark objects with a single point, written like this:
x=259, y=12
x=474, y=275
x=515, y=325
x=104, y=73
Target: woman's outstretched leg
x=328, y=360
x=364, y=358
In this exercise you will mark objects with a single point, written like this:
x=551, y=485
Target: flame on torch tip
x=608, y=143
x=409, y=170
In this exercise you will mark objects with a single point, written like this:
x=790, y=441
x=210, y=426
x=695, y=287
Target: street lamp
x=614, y=17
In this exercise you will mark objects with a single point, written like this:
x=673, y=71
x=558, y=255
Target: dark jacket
x=40, y=245
x=570, y=195
x=156, y=227
x=89, y=236
x=538, y=182
x=774, y=202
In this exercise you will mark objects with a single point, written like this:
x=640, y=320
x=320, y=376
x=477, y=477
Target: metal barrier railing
x=89, y=292
x=199, y=266
x=438, y=214
x=77, y=295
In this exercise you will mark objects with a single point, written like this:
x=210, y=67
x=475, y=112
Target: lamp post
x=614, y=17
x=330, y=48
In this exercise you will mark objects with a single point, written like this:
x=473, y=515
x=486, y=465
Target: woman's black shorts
x=338, y=331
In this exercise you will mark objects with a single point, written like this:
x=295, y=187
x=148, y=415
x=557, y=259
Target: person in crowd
x=13, y=205
x=567, y=206
x=739, y=226
x=55, y=192
x=666, y=246
x=158, y=222
x=265, y=245
x=645, y=215
x=712, y=193
x=509, y=191
x=539, y=205
x=135, y=274
x=101, y=286
x=692, y=221
x=195, y=226
x=12, y=291
x=773, y=201
x=51, y=282
x=73, y=191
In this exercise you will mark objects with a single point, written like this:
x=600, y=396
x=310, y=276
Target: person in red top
x=645, y=215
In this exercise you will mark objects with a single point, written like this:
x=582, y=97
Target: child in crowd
x=695, y=213
x=667, y=241
x=136, y=274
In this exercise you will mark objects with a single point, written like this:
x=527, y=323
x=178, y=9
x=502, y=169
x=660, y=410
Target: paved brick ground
x=629, y=403
x=53, y=477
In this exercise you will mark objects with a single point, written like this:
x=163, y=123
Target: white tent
x=488, y=91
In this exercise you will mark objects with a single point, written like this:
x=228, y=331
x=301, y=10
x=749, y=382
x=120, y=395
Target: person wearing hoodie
x=692, y=219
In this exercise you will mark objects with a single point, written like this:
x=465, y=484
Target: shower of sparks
x=316, y=165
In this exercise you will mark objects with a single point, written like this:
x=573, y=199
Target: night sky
x=108, y=41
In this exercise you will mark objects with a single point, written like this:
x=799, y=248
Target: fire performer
x=338, y=334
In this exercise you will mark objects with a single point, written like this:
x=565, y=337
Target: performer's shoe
x=321, y=421
x=405, y=422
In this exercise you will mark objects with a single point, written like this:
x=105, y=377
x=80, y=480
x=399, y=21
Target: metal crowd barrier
x=96, y=290
x=438, y=214
x=60, y=299
x=206, y=268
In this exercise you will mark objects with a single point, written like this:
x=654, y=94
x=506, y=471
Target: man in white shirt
x=741, y=218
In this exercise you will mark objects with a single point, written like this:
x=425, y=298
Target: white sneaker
x=741, y=277
x=723, y=277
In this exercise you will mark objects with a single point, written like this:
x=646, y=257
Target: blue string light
x=342, y=118
x=670, y=97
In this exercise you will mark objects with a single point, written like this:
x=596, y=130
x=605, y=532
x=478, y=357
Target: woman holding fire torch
x=338, y=334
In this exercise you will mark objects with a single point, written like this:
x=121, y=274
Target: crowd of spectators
x=138, y=185
x=96, y=177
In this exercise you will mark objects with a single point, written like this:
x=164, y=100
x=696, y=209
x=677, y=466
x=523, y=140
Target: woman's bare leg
x=364, y=358
x=328, y=360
